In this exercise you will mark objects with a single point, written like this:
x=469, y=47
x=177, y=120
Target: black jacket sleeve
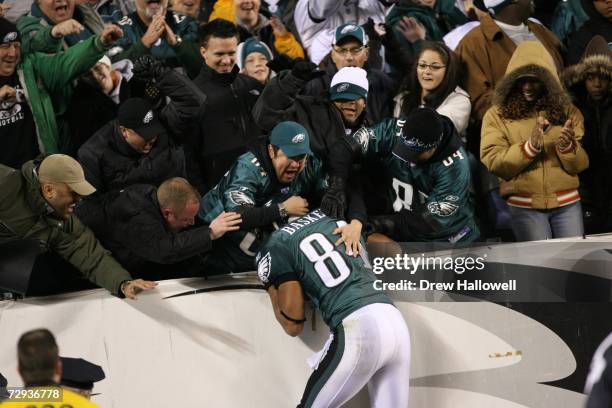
x=187, y=104
x=276, y=103
x=257, y=217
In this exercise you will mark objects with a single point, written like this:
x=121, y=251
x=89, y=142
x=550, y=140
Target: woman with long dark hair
x=531, y=139
x=434, y=82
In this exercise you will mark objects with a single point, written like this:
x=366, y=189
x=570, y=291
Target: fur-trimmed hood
x=575, y=75
x=531, y=59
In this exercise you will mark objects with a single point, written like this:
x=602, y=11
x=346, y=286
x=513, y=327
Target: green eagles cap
x=350, y=30
x=292, y=138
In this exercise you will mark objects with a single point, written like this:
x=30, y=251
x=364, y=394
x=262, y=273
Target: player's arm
x=288, y=303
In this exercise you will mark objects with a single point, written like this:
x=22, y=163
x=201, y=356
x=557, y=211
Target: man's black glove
x=334, y=201
x=281, y=63
x=149, y=69
x=306, y=70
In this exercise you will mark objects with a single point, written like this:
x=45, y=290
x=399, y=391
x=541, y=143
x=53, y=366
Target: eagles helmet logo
x=342, y=87
x=10, y=37
x=240, y=198
x=442, y=208
x=348, y=29
x=362, y=136
x=148, y=117
x=298, y=138
x=264, y=267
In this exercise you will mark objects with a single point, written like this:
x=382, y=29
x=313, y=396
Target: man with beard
x=53, y=25
x=155, y=30
x=531, y=139
x=267, y=185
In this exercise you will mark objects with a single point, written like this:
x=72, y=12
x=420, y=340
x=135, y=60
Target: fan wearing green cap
x=276, y=179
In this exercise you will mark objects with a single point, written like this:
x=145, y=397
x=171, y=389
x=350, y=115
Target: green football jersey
x=248, y=184
x=304, y=250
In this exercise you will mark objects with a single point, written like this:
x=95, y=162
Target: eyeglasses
x=352, y=51
x=433, y=67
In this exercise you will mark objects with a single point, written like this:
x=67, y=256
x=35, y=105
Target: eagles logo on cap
x=348, y=29
x=342, y=87
x=148, y=117
x=298, y=138
x=10, y=37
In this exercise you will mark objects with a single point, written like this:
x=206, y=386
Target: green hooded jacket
x=24, y=214
x=47, y=81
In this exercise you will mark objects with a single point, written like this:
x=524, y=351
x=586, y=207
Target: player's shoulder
x=250, y=162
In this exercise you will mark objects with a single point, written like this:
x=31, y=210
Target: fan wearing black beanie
x=430, y=178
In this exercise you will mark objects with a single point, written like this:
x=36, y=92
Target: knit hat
x=8, y=32
x=292, y=138
x=350, y=83
x=250, y=46
x=138, y=114
x=350, y=30
x=422, y=130
x=495, y=6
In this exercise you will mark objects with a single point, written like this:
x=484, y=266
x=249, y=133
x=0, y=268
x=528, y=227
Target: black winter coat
x=227, y=125
x=596, y=25
x=130, y=224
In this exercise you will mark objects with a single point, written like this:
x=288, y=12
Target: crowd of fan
x=425, y=120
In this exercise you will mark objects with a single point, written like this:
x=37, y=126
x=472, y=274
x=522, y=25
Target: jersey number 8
x=328, y=263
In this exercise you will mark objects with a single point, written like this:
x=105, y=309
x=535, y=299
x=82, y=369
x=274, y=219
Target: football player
x=370, y=342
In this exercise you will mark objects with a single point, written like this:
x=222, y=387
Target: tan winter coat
x=546, y=177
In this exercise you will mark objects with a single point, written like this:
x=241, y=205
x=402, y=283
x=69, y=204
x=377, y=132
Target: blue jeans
x=530, y=224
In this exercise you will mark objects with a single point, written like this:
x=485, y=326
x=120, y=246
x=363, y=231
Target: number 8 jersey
x=304, y=251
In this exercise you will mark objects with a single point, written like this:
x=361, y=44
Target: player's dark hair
x=38, y=354
x=412, y=88
x=217, y=28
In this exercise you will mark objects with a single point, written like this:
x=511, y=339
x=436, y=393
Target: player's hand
x=225, y=222
x=131, y=288
x=296, y=206
x=8, y=94
x=350, y=236
x=67, y=27
x=111, y=34
x=333, y=203
x=567, y=137
x=154, y=31
x=537, y=134
x=147, y=68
